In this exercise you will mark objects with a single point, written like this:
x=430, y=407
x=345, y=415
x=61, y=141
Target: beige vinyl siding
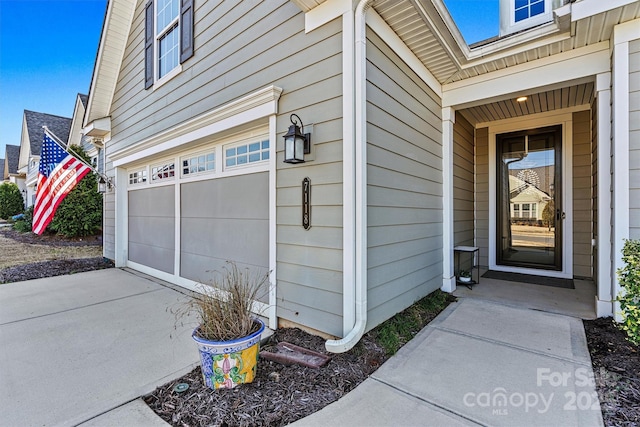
x=482, y=194
x=241, y=47
x=594, y=183
x=109, y=217
x=634, y=139
x=463, y=182
x=404, y=154
x=582, y=198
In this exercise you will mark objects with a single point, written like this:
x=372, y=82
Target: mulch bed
x=616, y=365
x=49, y=238
x=279, y=394
x=57, y=267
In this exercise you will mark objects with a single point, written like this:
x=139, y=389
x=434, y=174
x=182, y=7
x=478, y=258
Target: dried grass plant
x=224, y=306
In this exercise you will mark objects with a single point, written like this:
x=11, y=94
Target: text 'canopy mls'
x=58, y=174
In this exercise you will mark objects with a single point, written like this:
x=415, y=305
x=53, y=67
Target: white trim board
x=565, y=119
x=560, y=68
x=255, y=106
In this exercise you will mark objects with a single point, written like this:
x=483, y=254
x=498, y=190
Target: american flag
x=58, y=175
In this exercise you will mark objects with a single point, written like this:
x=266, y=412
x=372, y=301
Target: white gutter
x=360, y=187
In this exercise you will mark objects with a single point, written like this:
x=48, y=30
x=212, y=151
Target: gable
x=60, y=126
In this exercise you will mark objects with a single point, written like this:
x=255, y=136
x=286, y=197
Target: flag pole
x=66, y=149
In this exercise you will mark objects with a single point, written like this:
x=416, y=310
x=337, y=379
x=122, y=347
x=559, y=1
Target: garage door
x=224, y=219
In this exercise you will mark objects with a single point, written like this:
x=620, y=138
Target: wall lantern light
x=104, y=184
x=296, y=143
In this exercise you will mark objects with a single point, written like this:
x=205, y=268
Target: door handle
x=560, y=215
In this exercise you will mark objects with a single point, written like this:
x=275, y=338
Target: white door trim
x=561, y=117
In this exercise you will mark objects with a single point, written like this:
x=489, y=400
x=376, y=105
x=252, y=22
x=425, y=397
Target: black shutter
x=148, y=45
x=186, y=30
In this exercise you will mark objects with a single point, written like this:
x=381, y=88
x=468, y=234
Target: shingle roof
x=60, y=126
x=84, y=99
x=13, y=158
x=1, y=169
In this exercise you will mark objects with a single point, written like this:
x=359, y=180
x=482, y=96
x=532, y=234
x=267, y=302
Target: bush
x=25, y=224
x=11, y=201
x=629, y=297
x=80, y=213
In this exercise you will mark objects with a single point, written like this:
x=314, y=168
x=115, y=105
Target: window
x=516, y=210
x=526, y=210
x=138, y=177
x=162, y=172
x=168, y=37
x=246, y=153
x=527, y=8
x=204, y=162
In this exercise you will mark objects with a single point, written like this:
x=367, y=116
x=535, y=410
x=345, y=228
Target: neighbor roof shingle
x=1, y=169
x=13, y=158
x=84, y=99
x=60, y=126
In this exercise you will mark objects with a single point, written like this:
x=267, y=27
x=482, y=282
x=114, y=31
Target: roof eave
x=113, y=40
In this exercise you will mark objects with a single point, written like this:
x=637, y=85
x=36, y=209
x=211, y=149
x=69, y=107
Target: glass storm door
x=529, y=198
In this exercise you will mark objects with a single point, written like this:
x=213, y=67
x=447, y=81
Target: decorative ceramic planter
x=225, y=364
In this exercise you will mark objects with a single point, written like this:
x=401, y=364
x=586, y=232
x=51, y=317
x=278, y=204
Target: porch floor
x=578, y=302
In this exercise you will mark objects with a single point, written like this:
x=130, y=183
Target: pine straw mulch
x=279, y=394
x=616, y=365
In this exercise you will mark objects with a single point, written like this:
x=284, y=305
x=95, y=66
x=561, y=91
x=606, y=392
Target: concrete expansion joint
x=427, y=401
x=80, y=307
x=506, y=344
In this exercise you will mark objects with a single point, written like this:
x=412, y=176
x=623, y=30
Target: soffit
x=556, y=99
x=113, y=39
x=307, y=5
x=584, y=32
x=428, y=30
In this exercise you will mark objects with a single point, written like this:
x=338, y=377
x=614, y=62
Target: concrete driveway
x=74, y=347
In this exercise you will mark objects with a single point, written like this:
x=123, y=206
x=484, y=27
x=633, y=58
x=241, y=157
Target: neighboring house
x=527, y=201
x=31, y=143
x=2, y=166
x=76, y=137
x=11, y=171
x=407, y=122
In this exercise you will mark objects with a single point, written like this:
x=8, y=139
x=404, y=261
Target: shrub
x=80, y=213
x=629, y=297
x=25, y=224
x=11, y=201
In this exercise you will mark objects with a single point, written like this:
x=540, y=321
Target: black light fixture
x=296, y=143
x=102, y=185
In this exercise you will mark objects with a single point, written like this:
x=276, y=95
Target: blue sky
x=48, y=49
x=47, y=52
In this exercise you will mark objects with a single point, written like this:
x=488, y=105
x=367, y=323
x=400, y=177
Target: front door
x=529, y=199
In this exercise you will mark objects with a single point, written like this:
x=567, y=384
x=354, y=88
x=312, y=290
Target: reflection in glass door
x=529, y=199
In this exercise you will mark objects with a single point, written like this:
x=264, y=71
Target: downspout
x=360, y=188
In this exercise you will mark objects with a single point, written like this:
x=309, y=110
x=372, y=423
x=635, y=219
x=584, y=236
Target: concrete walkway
x=80, y=350
x=479, y=363
x=75, y=347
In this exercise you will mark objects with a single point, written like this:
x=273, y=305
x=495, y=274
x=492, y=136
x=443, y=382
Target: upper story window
x=520, y=15
x=168, y=38
x=527, y=8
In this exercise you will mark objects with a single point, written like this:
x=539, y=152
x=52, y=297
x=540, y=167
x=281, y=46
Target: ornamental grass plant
x=224, y=306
